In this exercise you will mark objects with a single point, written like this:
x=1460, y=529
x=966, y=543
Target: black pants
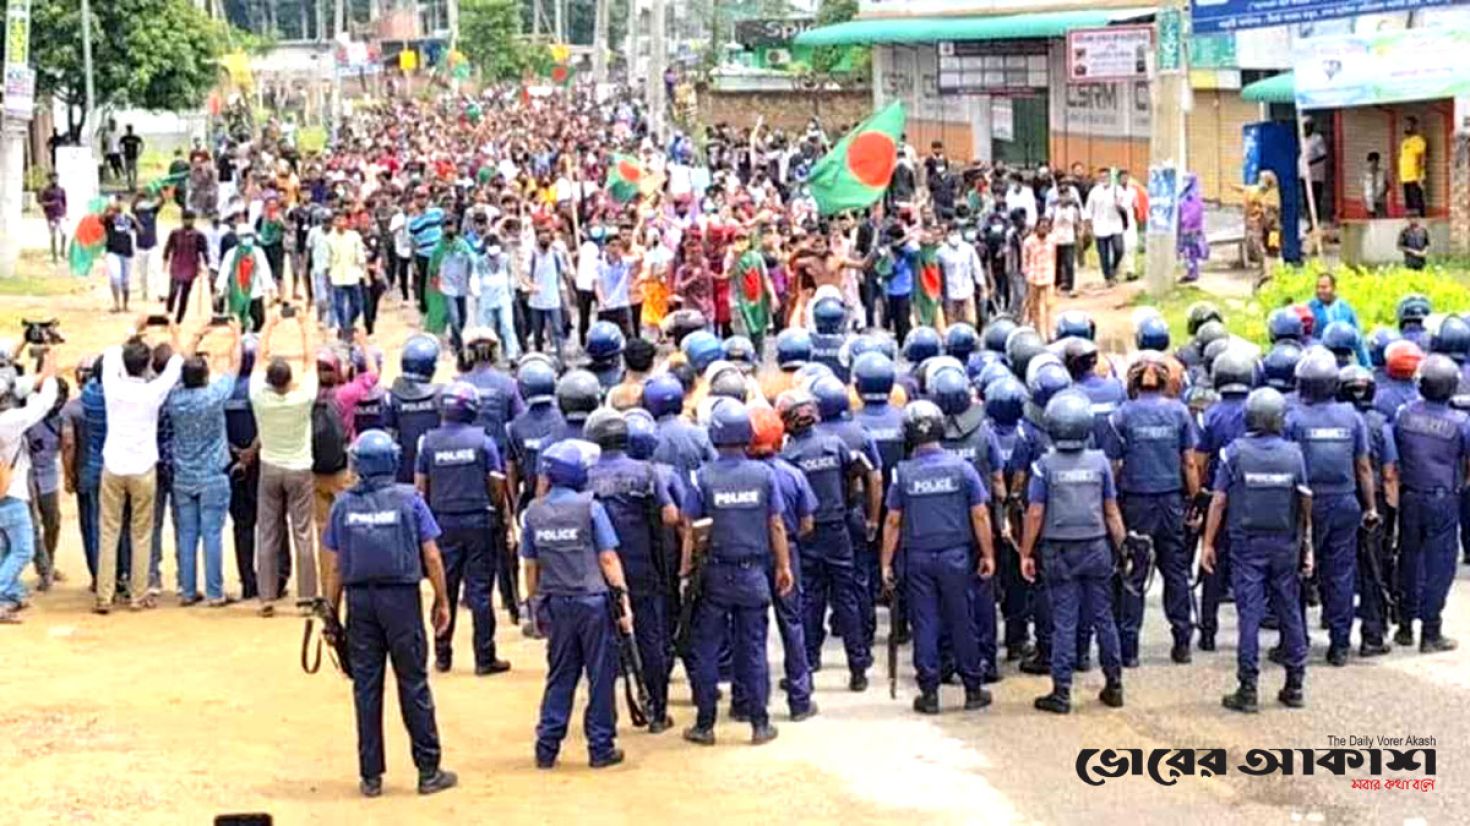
x=898, y=317
x=469, y=561
x=242, y=524
x=1414, y=199
x=619, y=316
x=1109, y=254
x=257, y=314
x=370, y=298
x=178, y=293
x=387, y=623
x=1066, y=267
x=400, y=272
x=585, y=300
x=421, y=281
x=275, y=256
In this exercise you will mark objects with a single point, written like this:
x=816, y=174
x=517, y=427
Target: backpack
x=328, y=439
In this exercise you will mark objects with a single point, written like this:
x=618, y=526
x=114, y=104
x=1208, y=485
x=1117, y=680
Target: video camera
x=40, y=335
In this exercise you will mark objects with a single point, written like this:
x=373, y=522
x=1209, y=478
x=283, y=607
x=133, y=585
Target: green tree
x=490, y=36
x=827, y=58
x=151, y=54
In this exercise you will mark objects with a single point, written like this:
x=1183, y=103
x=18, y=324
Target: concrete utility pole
x=339, y=29
x=452, y=9
x=599, y=43
x=630, y=41
x=561, y=20
x=14, y=125
x=91, y=92
x=1167, y=139
x=657, y=58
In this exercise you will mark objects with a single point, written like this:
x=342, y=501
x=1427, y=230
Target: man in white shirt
x=589, y=257
x=1128, y=204
x=1312, y=165
x=1022, y=197
x=16, y=527
x=1103, y=216
x=963, y=272
x=130, y=458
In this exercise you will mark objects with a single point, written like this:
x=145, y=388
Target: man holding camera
x=16, y=529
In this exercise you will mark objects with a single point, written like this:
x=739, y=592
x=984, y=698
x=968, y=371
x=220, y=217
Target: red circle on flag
x=871, y=157
x=751, y=285
x=629, y=171
x=929, y=277
x=559, y=74
x=90, y=231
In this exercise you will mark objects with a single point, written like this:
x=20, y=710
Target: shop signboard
x=1110, y=53
x=1381, y=67
x=1209, y=16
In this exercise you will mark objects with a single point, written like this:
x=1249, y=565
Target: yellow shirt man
x=1411, y=158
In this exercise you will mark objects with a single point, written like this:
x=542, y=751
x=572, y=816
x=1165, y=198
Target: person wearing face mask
x=245, y=280
x=963, y=273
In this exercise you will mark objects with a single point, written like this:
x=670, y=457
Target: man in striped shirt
x=425, y=227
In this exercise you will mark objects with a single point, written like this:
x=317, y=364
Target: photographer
x=15, y=513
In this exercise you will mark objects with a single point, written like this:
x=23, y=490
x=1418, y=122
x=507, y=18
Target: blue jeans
x=17, y=546
x=501, y=319
x=201, y=513
x=164, y=505
x=346, y=305
x=550, y=321
x=87, y=516
x=454, y=319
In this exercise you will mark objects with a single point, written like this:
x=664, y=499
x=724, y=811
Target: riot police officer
x=1343, y=340
x=499, y=400
x=1401, y=361
x=937, y=508
x=461, y=475
x=866, y=496
x=1005, y=402
x=827, y=555
x=682, y=444
x=960, y=341
x=1073, y=510
x=743, y=503
x=828, y=316
x=800, y=506
x=577, y=395
x=378, y=545
x=245, y=470
x=1356, y=387
x=873, y=376
x=1151, y=441
x=532, y=430
x=1198, y=315
x=605, y=344
x=1262, y=501
x=920, y=345
x=1233, y=376
x=1334, y=443
x=570, y=548
x=1411, y=313
x=1433, y=443
x=413, y=404
x=640, y=506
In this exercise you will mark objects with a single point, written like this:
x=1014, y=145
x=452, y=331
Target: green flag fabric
x=242, y=274
x=857, y=170
x=928, y=287
x=751, y=298
x=624, y=177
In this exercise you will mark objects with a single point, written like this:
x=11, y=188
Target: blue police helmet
x=642, y=433
x=923, y=422
x=992, y=373
x=857, y=345
x=1076, y=324
x=565, y=463
x=1152, y=334
x=828, y=314
x=886, y=345
x=1355, y=385
x=701, y=347
x=419, y=358
x=793, y=347
x=537, y=382
x=375, y=454
x=1438, y=378
x=1048, y=379
x=960, y=341
x=1283, y=323
x=1068, y=419
x=729, y=424
x=740, y=350
x=1412, y=308
x=1234, y=372
x=1279, y=366
x=1316, y=375
x=1342, y=338
x=249, y=349
x=976, y=364
x=604, y=341
x=1005, y=400
x=1378, y=341
x=807, y=374
x=931, y=367
x=459, y=402
x=1036, y=363
x=1452, y=338
x=578, y=393
x=831, y=396
x=1265, y=411
x=922, y=343
x=663, y=394
x=950, y=389
x=607, y=428
x=873, y=374
x=1022, y=345
x=996, y=333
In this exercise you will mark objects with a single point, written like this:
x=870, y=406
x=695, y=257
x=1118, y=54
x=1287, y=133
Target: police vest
x=1375, y=422
x=1262, y=491
x=1429, y=447
x=1074, y=491
x=566, y=555
x=1151, y=446
x=379, y=536
x=239, y=416
x=416, y=412
x=495, y=394
x=459, y=466
x=530, y=433
x=884, y=424
x=1325, y=433
x=822, y=458
x=827, y=349
x=737, y=499
x=368, y=413
x=626, y=490
x=967, y=436
x=936, y=507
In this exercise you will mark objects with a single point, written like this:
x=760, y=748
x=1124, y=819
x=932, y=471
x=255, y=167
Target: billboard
x=1381, y=67
x=1212, y=16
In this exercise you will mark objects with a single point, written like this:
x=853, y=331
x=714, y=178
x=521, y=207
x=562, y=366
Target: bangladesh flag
x=242, y=276
x=157, y=186
x=561, y=74
x=88, y=240
x=857, y=170
x=752, y=300
x=624, y=178
x=928, y=287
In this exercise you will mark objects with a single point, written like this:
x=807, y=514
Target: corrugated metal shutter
x=1359, y=131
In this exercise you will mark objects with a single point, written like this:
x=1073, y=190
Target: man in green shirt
x=282, y=399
